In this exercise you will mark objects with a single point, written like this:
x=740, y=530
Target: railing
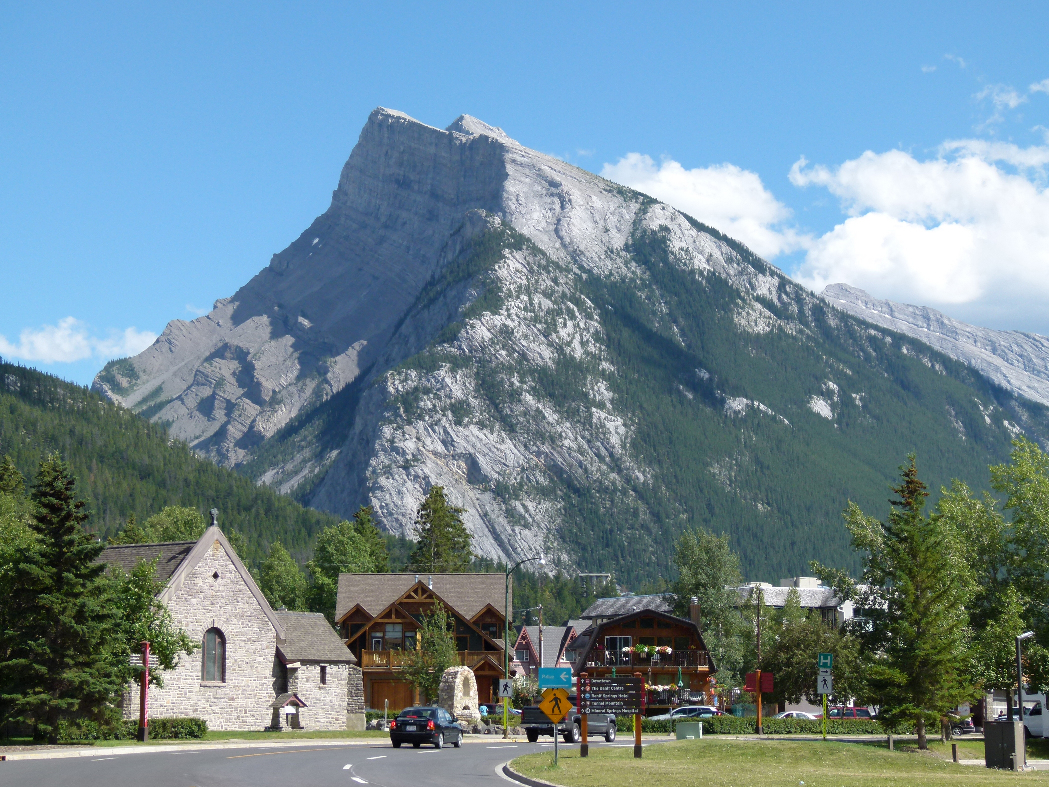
x=393, y=659
x=684, y=658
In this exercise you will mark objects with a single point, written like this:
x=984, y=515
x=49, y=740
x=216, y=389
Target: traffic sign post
x=825, y=661
x=555, y=677
x=825, y=683
x=506, y=689
x=555, y=706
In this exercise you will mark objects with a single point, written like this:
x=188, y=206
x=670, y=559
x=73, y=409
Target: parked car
x=687, y=712
x=841, y=712
x=796, y=714
x=425, y=725
x=962, y=726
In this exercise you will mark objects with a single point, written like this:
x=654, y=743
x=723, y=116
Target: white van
x=1034, y=715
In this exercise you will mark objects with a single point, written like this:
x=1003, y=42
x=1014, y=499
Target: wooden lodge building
x=378, y=616
x=665, y=649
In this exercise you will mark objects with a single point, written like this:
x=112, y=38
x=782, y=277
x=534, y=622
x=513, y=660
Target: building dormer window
x=522, y=656
x=213, y=669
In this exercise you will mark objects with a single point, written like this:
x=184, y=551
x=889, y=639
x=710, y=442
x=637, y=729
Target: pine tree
x=364, y=524
x=11, y=481
x=443, y=542
x=282, y=581
x=59, y=656
x=919, y=585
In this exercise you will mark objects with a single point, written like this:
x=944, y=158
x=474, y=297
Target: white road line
x=512, y=746
x=358, y=779
x=103, y=759
x=347, y=767
x=380, y=757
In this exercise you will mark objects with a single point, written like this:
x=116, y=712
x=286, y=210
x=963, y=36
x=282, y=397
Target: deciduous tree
x=282, y=581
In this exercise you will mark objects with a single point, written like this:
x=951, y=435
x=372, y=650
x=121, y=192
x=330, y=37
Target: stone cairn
x=458, y=694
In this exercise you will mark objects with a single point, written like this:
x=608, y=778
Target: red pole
x=143, y=696
x=583, y=706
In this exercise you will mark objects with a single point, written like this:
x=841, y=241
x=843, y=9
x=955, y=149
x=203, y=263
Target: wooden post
x=584, y=746
x=143, y=696
x=890, y=741
x=637, y=722
x=757, y=682
x=954, y=752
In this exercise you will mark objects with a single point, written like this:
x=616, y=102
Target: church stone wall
x=325, y=704
x=253, y=673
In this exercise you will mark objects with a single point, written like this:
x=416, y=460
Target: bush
x=127, y=729
x=748, y=725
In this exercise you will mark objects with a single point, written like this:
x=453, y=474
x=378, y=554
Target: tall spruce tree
x=364, y=524
x=918, y=588
x=60, y=660
x=443, y=542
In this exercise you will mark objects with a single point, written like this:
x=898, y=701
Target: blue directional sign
x=555, y=677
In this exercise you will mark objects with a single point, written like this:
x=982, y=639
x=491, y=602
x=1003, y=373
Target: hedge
x=733, y=725
x=159, y=729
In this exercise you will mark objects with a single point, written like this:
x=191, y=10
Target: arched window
x=214, y=668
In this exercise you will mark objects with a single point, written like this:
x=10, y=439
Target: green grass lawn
x=742, y=763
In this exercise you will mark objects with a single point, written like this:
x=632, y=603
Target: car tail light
x=429, y=724
x=393, y=724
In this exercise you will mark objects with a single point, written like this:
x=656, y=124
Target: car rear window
x=418, y=713
x=863, y=713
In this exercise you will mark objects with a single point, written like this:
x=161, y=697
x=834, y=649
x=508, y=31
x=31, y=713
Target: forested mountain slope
x=585, y=370
x=124, y=465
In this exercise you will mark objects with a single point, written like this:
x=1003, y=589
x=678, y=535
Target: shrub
x=747, y=725
x=159, y=729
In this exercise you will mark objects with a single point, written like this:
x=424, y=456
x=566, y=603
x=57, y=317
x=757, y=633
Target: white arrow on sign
x=506, y=689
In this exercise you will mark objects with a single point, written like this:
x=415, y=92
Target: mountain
x=586, y=370
x=1019, y=362
x=125, y=465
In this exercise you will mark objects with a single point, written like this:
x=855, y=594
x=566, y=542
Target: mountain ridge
x=585, y=370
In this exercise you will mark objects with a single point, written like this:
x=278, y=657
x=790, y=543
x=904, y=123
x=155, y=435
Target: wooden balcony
x=686, y=659
x=395, y=659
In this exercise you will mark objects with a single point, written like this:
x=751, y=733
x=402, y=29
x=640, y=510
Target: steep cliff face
x=1019, y=362
x=585, y=370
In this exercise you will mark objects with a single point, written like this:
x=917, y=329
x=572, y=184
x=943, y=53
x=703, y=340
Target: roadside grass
x=777, y=763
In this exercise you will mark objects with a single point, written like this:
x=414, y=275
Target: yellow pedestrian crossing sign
x=555, y=704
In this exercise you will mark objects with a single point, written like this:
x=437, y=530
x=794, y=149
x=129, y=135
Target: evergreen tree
x=282, y=581
x=708, y=570
x=443, y=543
x=919, y=585
x=340, y=550
x=11, y=481
x=364, y=524
x=59, y=657
x=434, y=653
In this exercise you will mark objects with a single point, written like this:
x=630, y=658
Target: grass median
x=775, y=763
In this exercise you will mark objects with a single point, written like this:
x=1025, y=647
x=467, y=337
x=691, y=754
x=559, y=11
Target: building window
x=324, y=675
x=394, y=634
x=522, y=656
x=409, y=640
x=214, y=668
x=376, y=641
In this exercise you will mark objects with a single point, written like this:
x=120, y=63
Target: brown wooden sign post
x=143, y=696
x=584, y=746
x=637, y=721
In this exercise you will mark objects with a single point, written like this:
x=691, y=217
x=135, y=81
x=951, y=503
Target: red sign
x=751, y=682
x=766, y=682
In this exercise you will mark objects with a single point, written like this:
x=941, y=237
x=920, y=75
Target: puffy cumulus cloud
x=970, y=226
x=724, y=196
x=70, y=341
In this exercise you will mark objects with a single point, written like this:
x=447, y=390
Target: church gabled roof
x=127, y=556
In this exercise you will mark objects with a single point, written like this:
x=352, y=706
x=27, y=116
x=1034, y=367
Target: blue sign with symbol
x=555, y=677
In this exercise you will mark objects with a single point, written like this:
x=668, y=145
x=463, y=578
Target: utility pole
x=542, y=662
x=760, y=600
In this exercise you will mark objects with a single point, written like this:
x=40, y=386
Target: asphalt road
x=345, y=766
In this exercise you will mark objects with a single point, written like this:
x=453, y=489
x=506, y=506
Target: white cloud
x=70, y=341
x=1039, y=87
x=955, y=59
x=928, y=69
x=724, y=196
x=956, y=229
x=1003, y=97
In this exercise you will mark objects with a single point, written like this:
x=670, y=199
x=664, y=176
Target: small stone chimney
x=430, y=583
x=694, y=612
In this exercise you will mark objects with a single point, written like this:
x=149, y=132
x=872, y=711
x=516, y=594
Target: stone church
x=256, y=667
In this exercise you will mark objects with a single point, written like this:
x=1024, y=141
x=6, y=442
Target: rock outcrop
x=1019, y=362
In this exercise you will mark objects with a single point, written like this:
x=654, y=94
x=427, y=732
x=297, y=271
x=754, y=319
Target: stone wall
x=325, y=704
x=253, y=673
x=355, y=719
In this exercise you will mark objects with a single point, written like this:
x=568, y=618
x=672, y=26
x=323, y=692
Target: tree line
x=940, y=600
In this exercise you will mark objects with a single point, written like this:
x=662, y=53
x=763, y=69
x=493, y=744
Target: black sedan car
x=425, y=725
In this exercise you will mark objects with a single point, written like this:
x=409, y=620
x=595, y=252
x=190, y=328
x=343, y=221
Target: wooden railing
x=684, y=658
x=393, y=659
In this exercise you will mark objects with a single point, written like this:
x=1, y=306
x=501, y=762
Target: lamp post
x=506, y=635
x=1021, y=745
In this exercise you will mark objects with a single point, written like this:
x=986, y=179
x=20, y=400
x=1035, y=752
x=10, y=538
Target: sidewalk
x=62, y=752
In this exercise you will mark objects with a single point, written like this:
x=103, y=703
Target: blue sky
x=152, y=160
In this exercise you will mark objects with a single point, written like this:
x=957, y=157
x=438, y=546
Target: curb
x=92, y=751
x=520, y=778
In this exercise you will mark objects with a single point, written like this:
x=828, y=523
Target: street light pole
x=1021, y=745
x=506, y=635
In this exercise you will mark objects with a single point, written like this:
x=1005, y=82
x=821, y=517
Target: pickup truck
x=536, y=723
